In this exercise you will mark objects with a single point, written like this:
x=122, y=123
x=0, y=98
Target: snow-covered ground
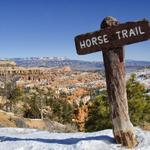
x=32, y=139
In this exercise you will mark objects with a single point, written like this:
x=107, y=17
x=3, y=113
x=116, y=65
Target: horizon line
x=67, y=58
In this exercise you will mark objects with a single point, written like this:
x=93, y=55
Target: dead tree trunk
x=116, y=87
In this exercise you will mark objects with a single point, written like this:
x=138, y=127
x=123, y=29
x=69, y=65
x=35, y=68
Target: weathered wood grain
x=116, y=87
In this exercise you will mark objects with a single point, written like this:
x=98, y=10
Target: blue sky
x=47, y=27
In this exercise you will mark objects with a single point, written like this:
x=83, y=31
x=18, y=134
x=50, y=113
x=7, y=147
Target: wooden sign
x=112, y=37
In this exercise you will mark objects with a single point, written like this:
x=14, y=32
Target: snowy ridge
x=32, y=139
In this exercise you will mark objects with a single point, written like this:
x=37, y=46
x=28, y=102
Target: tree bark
x=116, y=87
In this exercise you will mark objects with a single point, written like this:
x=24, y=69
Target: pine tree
x=99, y=114
x=138, y=101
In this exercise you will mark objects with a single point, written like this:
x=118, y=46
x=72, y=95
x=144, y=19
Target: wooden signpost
x=111, y=39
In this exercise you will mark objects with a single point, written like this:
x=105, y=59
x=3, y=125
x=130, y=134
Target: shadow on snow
x=68, y=141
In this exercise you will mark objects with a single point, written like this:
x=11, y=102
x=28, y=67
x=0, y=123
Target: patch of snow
x=32, y=139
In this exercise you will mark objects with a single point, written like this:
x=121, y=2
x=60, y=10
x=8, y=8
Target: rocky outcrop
x=7, y=63
x=73, y=85
x=80, y=116
x=36, y=76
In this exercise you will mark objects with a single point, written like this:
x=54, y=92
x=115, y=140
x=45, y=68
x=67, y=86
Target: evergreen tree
x=34, y=108
x=138, y=101
x=12, y=94
x=99, y=115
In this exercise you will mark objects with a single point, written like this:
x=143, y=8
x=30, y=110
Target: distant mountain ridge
x=74, y=64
